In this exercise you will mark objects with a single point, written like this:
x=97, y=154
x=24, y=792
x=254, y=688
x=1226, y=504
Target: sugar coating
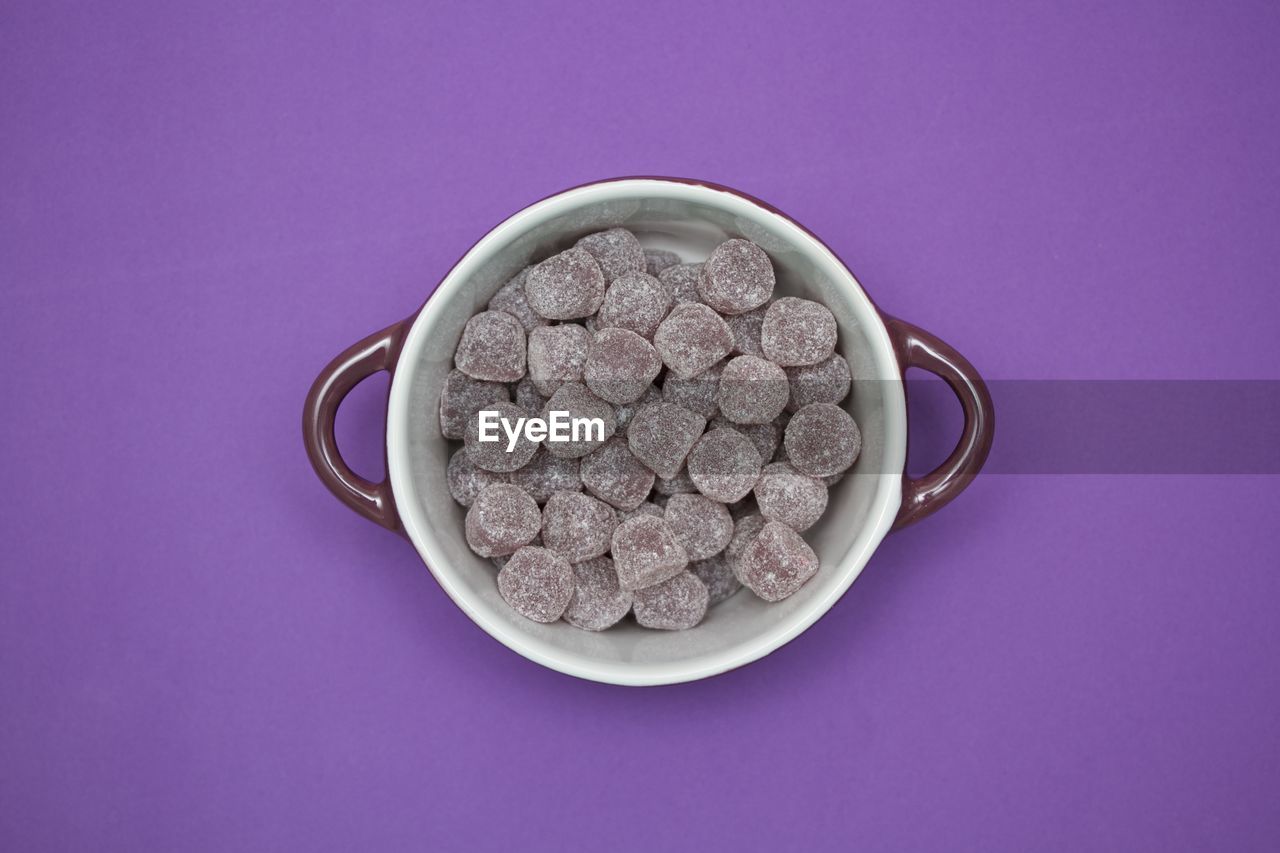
x=528, y=397
x=502, y=519
x=462, y=397
x=822, y=439
x=577, y=526
x=745, y=530
x=546, y=474
x=657, y=260
x=465, y=480
x=746, y=331
x=635, y=301
x=597, y=602
x=828, y=381
x=661, y=436
x=557, y=355
x=698, y=394
x=492, y=347
x=752, y=390
x=566, y=286
x=724, y=465
x=717, y=575
x=682, y=281
x=776, y=563
x=576, y=399
x=493, y=455
x=620, y=365
x=626, y=411
x=615, y=476
x=787, y=496
x=673, y=605
x=680, y=484
x=512, y=299
x=537, y=583
x=736, y=278
x=646, y=552
x=703, y=526
x=646, y=508
x=617, y=251
x=797, y=332
x=691, y=339
x=764, y=436
x=499, y=562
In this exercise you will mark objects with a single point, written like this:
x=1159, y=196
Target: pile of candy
x=722, y=431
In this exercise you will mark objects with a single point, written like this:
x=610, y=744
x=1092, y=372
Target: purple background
x=201, y=650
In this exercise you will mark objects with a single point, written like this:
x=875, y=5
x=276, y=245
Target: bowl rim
x=889, y=488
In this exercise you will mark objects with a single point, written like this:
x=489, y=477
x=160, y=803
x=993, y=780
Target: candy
x=797, y=331
x=785, y=495
x=752, y=390
x=646, y=552
x=703, y=526
x=617, y=251
x=745, y=531
x=776, y=563
x=577, y=526
x=822, y=439
x=673, y=605
x=661, y=436
x=698, y=394
x=717, y=575
x=465, y=480
x=557, y=355
x=597, y=602
x=645, y=508
x=566, y=286
x=537, y=583
x=680, y=484
x=682, y=281
x=620, y=365
x=626, y=411
x=746, y=331
x=528, y=398
x=691, y=339
x=828, y=381
x=513, y=299
x=657, y=260
x=493, y=455
x=764, y=436
x=502, y=519
x=462, y=397
x=575, y=399
x=547, y=474
x=615, y=476
x=502, y=561
x=724, y=465
x=492, y=347
x=736, y=278
x=635, y=301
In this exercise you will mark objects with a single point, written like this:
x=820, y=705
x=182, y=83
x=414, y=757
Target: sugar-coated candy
x=646, y=508
x=577, y=526
x=465, y=480
x=703, y=526
x=737, y=277
x=492, y=347
x=557, y=355
x=617, y=251
x=698, y=394
x=502, y=519
x=645, y=552
x=462, y=397
x=746, y=331
x=691, y=339
x=745, y=530
x=626, y=411
x=680, y=484
x=635, y=301
x=776, y=563
x=790, y=497
x=537, y=583
x=578, y=401
x=673, y=605
x=764, y=436
x=822, y=439
x=598, y=602
x=513, y=299
x=566, y=286
x=797, y=332
x=615, y=476
x=620, y=365
x=717, y=575
x=724, y=465
x=499, y=562
x=661, y=436
x=752, y=390
x=528, y=397
x=657, y=260
x=493, y=455
x=828, y=381
x=682, y=281
x=546, y=474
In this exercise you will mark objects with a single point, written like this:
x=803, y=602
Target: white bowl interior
x=690, y=220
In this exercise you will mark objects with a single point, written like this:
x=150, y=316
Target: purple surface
x=201, y=650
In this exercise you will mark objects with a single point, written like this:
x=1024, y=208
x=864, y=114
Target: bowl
x=690, y=218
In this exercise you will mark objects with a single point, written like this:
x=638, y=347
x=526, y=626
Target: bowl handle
x=361, y=360
x=926, y=495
